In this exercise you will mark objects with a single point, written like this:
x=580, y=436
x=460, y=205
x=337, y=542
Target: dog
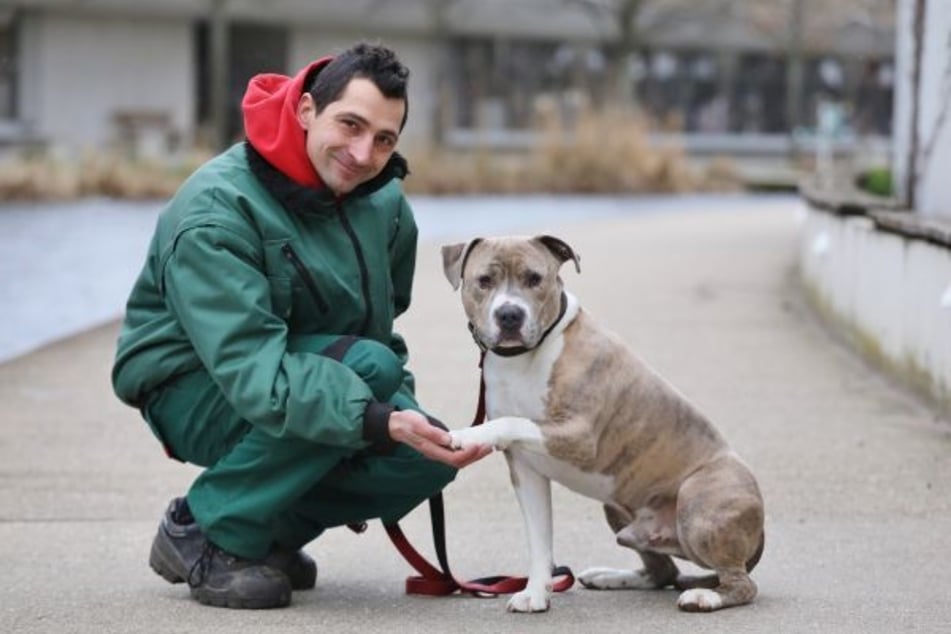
x=567, y=401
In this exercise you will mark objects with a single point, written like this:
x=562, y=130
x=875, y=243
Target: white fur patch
x=593, y=485
x=699, y=600
x=503, y=299
x=527, y=601
x=615, y=579
x=498, y=433
x=518, y=386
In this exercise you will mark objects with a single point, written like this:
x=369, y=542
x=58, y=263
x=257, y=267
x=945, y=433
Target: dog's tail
x=759, y=553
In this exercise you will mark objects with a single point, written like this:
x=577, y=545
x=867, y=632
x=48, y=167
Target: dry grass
x=608, y=152
x=106, y=174
x=601, y=153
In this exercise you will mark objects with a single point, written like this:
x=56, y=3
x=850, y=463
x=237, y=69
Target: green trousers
x=258, y=491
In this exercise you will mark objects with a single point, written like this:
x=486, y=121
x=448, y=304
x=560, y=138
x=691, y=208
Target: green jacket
x=242, y=260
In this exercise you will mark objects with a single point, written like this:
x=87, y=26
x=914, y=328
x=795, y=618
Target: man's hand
x=412, y=428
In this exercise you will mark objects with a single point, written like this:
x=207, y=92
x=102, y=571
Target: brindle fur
x=678, y=488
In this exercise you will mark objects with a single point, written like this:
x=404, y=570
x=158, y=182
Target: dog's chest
x=518, y=386
x=596, y=486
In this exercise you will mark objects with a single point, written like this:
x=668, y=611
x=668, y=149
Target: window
x=501, y=84
x=759, y=94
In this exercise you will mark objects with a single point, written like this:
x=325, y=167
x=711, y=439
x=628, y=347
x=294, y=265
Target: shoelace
x=200, y=568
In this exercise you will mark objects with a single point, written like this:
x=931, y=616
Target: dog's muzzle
x=510, y=319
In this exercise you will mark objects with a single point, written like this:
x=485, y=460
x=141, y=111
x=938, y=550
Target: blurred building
x=734, y=74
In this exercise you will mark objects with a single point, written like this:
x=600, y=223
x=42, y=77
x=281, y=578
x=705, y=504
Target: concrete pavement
x=855, y=473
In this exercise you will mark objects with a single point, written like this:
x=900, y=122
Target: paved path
x=855, y=474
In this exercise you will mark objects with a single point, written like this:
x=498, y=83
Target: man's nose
x=362, y=148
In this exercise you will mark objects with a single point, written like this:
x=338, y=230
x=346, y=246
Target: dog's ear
x=454, y=259
x=561, y=250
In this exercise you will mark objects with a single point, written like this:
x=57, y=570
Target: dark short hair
x=375, y=62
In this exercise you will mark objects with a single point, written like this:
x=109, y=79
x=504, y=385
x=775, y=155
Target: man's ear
x=561, y=250
x=454, y=259
x=306, y=109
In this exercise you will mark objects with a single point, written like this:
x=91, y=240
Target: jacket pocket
x=282, y=296
x=305, y=277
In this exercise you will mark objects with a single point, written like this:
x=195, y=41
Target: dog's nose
x=510, y=317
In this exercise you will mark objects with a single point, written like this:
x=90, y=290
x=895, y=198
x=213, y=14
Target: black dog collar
x=517, y=350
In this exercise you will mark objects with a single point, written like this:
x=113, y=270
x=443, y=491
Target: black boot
x=224, y=580
x=298, y=566
x=179, y=543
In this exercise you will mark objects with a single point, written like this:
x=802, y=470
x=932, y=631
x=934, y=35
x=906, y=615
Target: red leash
x=434, y=581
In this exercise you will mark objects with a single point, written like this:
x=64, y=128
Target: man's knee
x=377, y=365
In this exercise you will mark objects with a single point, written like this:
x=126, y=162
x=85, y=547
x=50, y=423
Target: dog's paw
x=458, y=439
x=529, y=601
x=468, y=437
x=699, y=600
x=615, y=579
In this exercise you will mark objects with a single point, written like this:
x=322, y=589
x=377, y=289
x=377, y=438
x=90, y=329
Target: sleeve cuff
x=435, y=422
x=376, y=426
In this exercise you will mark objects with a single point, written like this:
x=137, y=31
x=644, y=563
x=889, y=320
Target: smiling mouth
x=349, y=169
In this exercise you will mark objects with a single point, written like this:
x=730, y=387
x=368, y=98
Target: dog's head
x=511, y=290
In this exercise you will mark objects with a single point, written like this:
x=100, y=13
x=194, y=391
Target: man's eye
x=533, y=279
x=485, y=282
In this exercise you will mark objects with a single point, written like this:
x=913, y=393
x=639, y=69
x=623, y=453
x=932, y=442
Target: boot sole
x=225, y=599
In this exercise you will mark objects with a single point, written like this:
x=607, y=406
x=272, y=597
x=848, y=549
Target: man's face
x=352, y=139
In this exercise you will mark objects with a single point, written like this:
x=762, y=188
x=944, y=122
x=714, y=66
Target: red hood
x=270, y=122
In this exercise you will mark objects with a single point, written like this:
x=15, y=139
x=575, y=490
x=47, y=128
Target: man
x=258, y=340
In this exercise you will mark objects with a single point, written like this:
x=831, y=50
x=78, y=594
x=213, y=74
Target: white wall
x=889, y=294
x=78, y=71
x=903, y=97
x=933, y=195
x=932, y=187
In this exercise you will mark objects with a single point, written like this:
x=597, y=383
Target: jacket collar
x=301, y=199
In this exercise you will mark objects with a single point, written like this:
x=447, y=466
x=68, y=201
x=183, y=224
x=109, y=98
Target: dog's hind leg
x=687, y=582
x=724, y=534
x=735, y=588
x=659, y=570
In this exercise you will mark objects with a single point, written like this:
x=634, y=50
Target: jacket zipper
x=364, y=273
x=305, y=275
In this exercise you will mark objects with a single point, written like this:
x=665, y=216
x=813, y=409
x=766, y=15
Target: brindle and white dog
x=567, y=401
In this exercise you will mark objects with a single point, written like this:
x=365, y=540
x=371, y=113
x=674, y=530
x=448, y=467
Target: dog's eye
x=533, y=279
x=485, y=282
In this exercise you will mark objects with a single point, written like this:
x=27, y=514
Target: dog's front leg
x=499, y=433
x=533, y=491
